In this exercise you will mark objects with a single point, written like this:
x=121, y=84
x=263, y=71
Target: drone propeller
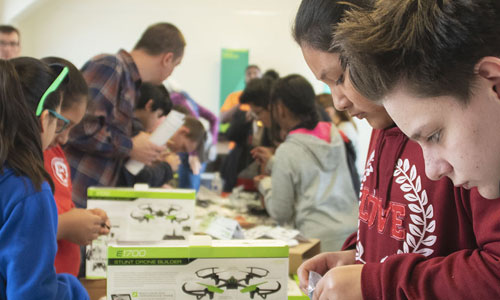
x=199, y=294
x=251, y=288
x=145, y=213
x=173, y=209
x=264, y=292
x=180, y=219
x=212, y=288
x=250, y=275
x=213, y=275
x=147, y=207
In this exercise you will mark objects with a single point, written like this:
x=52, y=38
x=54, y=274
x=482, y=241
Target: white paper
x=160, y=136
x=224, y=229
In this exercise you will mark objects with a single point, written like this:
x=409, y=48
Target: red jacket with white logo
x=68, y=254
x=418, y=238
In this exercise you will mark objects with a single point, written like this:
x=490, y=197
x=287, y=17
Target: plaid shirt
x=101, y=142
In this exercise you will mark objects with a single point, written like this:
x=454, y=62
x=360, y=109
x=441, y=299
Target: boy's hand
x=262, y=154
x=194, y=163
x=144, y=150
x=173, y=160
x=79, y=226
x=342, y=282
x=105, y=224
x=257, y=179
x=322, y=263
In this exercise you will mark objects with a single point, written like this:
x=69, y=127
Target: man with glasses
x=9, y=42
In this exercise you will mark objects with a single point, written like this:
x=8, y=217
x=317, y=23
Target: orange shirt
x=232, y=100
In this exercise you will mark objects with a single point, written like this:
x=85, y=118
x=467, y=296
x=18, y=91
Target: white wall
x=79, y=29
x=14, y=9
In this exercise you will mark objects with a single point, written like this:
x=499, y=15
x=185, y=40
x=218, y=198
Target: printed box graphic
x=237, y=269
x=139, y=215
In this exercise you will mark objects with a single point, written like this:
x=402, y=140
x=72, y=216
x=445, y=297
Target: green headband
x=51, y=89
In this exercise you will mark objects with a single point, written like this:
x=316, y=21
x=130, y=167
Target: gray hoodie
x=312, y=187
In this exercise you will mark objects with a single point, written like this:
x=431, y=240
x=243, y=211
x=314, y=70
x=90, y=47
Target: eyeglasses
x=11, y=44
x=257, y=114
x=62, y=122
x=52, y=88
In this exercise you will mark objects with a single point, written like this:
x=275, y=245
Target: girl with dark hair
x=311, y=184
x=35, y=79
x=28, y=219
x=76, y=227
x=416, y=238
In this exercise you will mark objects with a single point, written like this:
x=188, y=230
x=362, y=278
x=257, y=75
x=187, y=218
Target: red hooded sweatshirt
x=418, y=238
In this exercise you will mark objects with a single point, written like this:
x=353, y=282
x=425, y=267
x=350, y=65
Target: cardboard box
x=235, y=269
x=302, y=252
x=145, y=214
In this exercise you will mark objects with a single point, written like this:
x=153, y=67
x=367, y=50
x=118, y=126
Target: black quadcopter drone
x=146, y=213
x=231, y=284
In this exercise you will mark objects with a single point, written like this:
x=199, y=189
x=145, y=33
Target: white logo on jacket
x=419, y=237
x=60, y=171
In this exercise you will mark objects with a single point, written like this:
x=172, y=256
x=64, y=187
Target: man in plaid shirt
x=102, y=142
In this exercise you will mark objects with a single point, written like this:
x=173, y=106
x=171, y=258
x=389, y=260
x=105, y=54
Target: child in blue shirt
x=28, y=215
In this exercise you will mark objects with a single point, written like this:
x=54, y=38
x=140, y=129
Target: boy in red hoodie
x=417, y=238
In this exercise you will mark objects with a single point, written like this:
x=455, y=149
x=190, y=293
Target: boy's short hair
x=197, y=132
x=252, y=67
x=271, y=74
x=430, y=46
x=257, y=92
x=157, y=93
x=9, y=29
x=162, y=38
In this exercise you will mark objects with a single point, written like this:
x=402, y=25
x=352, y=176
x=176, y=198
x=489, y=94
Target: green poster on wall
x=232, y=71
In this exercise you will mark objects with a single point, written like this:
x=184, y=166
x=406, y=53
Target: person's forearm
x=465, y=274
x=62, y=227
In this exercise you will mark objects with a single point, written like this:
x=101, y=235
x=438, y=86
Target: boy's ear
x=149, y=105
x=167, y=58
x=489, y=68
x=185, y=130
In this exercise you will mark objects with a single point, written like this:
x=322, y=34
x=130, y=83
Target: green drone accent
x=251, y=288
x=171, y=218
x=212, y=288
x=149, y=216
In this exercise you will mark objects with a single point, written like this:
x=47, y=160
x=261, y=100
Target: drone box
x=138, y=214
x=233, y=269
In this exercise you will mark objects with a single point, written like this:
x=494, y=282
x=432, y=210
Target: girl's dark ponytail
x=20, y=141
